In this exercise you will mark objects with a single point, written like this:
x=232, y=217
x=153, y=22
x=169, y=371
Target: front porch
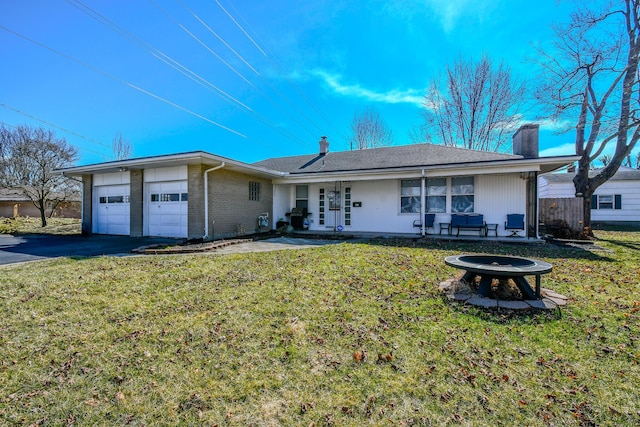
x=329, y=234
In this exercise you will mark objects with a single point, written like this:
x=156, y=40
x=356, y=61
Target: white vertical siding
x=499, y=195
x=495, y=196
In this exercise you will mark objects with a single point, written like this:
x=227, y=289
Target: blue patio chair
x=429, y=220
x=514, y=223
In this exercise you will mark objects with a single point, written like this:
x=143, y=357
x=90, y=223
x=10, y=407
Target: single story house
x=615, y=201
x=383, y=190
x=14, y=203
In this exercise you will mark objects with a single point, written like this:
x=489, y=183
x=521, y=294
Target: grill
x=297, y=217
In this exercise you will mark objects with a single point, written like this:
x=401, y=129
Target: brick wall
x=87, y=202
x=136, y=203
x=229, y=203
x=195, y=209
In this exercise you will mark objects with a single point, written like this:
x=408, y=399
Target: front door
x=334, y=209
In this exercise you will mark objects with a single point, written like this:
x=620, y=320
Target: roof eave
x=196, y=157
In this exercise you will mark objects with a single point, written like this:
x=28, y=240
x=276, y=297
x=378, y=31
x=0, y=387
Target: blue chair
x=514, y=223
x=429, y=220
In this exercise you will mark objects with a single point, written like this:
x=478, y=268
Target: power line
x=104, y=73
x=203, y=44
x=53, y=125
x=154, y=51
x=292, y=84
x=176, y=65
x=261, y=118
x=217, y=36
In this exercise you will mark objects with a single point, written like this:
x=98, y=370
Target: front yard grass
x=31, y=225
x=345, y=335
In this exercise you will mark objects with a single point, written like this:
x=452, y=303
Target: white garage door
x=167, y=203
x=113, y=209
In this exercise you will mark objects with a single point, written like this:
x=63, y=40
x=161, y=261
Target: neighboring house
x=615, y=201
x=381, y=190
x=14, y=203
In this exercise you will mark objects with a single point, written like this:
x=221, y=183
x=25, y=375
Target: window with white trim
x=436, y=195
x=410, y=196
x=606, y=201
x=302, y=196
x=462, y=198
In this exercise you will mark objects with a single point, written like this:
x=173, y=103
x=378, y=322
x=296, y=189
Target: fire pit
x=490, y=267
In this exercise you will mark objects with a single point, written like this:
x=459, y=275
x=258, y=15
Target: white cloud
x=394, y=96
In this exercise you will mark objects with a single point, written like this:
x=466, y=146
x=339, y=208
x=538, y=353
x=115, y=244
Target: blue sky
x=268, y=78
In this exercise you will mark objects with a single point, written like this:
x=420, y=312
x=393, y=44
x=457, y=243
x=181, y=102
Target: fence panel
x=566, y=209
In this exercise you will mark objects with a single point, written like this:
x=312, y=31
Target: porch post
x=423, y=204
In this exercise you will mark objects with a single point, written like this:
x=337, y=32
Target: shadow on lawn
x=545, y=250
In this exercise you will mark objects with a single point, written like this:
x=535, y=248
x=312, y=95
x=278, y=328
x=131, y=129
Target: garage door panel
x=167, y=209
x=113, y=210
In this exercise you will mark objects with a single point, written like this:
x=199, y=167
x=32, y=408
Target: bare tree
x=591, y=74
x=474, y=106
x=122, y=149
x=28, y=160
x=369, y=130
x=605, y=159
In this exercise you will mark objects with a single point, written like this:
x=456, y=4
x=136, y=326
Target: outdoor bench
x=468, y=222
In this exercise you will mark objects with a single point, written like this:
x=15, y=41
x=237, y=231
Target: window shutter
x=618, y=201
x=594, y=202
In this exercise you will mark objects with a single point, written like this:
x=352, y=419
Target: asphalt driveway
x=23, y=248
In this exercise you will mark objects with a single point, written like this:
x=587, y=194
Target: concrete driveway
x=17, y=249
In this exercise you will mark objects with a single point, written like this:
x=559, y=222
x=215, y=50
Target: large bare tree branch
x=595, y=60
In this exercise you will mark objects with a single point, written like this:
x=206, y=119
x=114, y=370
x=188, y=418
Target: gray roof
x=623, y=174
x=12, y=195
x=415, y=155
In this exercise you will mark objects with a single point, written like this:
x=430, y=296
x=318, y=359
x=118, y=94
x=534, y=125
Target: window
x=410, y=196
x=169, y=197
x=462, y=194
x=436, y=195
x=334, y=200
x=254, y=191
x=347, y=206
x=113, y=199
x=606, y=201
x=302, y=196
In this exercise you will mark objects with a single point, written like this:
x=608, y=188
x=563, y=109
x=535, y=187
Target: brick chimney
x=525, y=141
x=324, y=145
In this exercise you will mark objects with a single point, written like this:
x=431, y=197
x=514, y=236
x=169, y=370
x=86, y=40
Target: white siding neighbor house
x=615, y=201
x=383, y=190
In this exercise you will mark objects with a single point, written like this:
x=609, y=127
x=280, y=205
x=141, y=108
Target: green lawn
x=271, y=339
x=31, y=225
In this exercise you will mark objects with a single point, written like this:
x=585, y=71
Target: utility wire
x=292, y=84
x=264, y=95
x=111, y=76
x=53, y=125
x=204, y=24
x=170, y=61
x=154, y=52
x=203, y=44
x=261, y=118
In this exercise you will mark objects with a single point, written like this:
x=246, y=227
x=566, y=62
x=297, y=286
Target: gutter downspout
x=423, y=205
x=206, y=198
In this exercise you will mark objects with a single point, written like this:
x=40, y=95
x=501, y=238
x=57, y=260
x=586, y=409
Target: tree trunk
x=586, y=214
x=43, y=216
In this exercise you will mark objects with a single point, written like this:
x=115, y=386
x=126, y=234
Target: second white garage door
x=167, y=209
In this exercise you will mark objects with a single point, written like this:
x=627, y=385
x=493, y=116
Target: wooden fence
x=565, y=209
